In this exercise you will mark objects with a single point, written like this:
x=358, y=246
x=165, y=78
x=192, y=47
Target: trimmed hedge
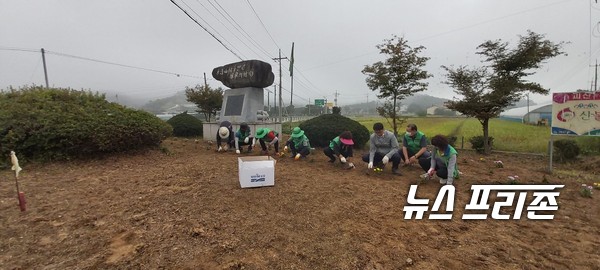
x=322, y=129
x=43, y=124
x=185, y=125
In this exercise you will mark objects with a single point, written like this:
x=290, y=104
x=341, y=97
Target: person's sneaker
x=449, y=182
x=443, y=181
x=396, y=171
x=331, y=160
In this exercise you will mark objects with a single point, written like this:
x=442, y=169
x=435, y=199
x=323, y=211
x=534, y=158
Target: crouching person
x=225, y=135
x=383, y=149
x=267, y=136
x=243, y=137
x=341, y=147
x=443, y=161
x=298, y=144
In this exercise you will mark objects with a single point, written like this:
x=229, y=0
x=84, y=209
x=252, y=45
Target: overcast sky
x=334, y=40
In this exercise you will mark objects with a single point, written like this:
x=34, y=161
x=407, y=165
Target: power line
x=206, y=30
x=226, y=27
x=18, y=49
x=448, y=32
x=121, y=65
x=214, y=29
x=272, y=39
x=98, y=61
x=263, y=25
x=238, y=27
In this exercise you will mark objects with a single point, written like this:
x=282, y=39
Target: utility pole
x=205, y=84
x=275, y=97
x=45, y=70
x=335, y=97
x=308, y=106
x=596, y=77
x=291, y=75
x=280, y=99
x=268, y=99
x=595, y=83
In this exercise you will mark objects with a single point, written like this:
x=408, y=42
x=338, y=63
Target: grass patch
x=508, y=135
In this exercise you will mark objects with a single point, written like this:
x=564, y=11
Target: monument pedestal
x=241, y=104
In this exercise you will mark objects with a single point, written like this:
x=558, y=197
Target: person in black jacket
x=225, y=134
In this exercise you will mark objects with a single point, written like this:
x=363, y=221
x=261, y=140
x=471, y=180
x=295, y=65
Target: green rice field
x=508, y=135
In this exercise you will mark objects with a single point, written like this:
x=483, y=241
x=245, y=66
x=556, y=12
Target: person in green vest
x=266, y=135
x=443, y=161
x=340, y=146
x=243, y=136
x=414, y=146
x=298, y=144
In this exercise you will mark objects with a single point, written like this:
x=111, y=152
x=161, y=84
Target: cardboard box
x=257, y=171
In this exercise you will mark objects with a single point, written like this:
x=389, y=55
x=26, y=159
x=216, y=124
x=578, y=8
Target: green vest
x=335, y=141
x=242, y=134
x=414, y=145
x=450, y=151
x=301, y=141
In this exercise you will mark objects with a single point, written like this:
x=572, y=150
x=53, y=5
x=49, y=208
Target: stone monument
x=246, y=96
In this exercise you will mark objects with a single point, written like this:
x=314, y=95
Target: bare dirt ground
x=186, y=210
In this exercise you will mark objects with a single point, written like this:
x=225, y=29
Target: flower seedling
x=586, y=191
x=499, y=164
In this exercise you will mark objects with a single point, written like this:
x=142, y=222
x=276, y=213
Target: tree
x=311, y=109
x=336, y=110
x=208, y=100
x=488, y=90
x=399, y=76
x=388, y=112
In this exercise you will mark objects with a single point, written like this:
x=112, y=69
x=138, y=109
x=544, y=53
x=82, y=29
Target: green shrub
x=322, y=129
x=565, y=150
x=185, y=125
x=477, y=143
x=336, y=110
x=43, y=124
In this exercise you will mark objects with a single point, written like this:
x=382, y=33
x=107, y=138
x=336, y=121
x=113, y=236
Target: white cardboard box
x=256, y=171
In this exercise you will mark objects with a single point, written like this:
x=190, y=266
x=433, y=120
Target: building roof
x=522, y=111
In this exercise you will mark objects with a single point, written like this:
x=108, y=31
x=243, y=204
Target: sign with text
x=576, y=113
x=319, y=102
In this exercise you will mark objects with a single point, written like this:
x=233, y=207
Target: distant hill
x=163, y=104
x=421, y=100
x=370, y=108
x=125, y=100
